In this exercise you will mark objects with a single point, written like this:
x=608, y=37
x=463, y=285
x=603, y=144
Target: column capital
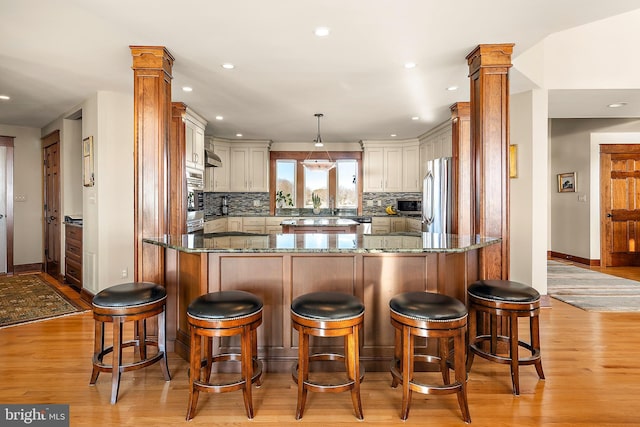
x=460, y=110
x=152, y=58
x=490, y=56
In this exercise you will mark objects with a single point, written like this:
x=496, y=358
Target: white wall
x=570, y=148
x=27, y=182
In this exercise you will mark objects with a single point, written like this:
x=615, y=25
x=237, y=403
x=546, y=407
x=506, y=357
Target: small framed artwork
x=87, y=162
x=513, y=161
x=567, y=182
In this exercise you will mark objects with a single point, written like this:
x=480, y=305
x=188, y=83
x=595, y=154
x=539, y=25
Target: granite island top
x=403, y=242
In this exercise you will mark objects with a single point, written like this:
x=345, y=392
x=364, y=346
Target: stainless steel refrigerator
x=437, y=197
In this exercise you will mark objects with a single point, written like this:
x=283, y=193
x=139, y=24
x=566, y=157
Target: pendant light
x=315, y=163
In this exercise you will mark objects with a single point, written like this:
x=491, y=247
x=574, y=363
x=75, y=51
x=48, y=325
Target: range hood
x=211, y=159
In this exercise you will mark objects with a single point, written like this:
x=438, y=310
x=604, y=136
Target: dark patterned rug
x=592, y=290
x=29, y=298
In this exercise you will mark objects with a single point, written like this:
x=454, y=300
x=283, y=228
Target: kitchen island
x=319, y=225
x=280, y=267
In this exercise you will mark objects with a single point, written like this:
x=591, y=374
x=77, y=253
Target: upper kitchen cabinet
x=390, y=166
x=217, y=178
x=249, y=166
x=194, y=139
x=435, y=144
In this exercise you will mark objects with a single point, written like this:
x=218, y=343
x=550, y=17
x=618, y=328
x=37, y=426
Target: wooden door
x=52, y=220
x=619, y=205
x=6, y=204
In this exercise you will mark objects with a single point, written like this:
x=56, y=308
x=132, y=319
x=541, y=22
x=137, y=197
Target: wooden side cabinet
x=73, y=255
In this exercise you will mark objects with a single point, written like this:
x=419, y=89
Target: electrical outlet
x=124, y=273
x=379, y=202
x=582, y=197
x=369, y=203
x=256, y=203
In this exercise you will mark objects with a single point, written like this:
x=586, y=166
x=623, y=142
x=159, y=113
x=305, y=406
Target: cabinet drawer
x=73, y=249
x=253, y=221
x=74, y=233
x=73, y=272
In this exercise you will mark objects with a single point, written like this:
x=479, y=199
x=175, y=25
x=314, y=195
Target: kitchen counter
x=332, y=225
x=280, y=267
x=402, y=242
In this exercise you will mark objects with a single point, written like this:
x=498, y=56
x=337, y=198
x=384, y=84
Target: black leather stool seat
x=436, y=317
x=225, y=305
x=130, y=294
x=328, y=314
x=224, y=315
x=428, y=306
x=327, y=306
x=128, y=302
x=494, y=309
x=503, y=290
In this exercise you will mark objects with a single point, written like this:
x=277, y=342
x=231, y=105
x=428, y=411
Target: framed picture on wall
x=567, y=182
x=87, y=162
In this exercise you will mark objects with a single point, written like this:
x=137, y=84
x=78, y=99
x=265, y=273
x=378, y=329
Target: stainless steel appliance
x=437, y=197
x=409, y=206
x=225, y=205
x=211, y=159
x=364, y=226
x=195, y=201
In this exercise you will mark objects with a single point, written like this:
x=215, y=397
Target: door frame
x=50, y=139
x=9, y=141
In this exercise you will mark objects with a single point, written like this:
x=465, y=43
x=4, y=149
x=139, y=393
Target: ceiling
x=54, y=55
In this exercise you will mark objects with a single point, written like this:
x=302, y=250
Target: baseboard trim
x=572, y=258
x=28, y=268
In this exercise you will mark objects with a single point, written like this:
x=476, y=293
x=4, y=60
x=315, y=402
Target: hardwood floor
x=590, y=362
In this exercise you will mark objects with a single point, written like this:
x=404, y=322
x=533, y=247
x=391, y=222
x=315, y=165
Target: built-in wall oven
x=195, y=201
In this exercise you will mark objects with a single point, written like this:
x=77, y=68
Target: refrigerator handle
x=428, y=210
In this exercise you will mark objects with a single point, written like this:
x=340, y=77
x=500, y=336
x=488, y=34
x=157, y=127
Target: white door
x=3, y=210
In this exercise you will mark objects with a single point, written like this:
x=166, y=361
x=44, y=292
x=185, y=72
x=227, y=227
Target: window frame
x=300, y=156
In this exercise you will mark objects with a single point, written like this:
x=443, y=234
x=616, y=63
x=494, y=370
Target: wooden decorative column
x=177, y=171
x=489, y=108
x=152, y=114
x=462, y=168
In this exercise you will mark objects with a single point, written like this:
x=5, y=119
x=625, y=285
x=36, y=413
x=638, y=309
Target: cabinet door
x=393, y=169
x=189, y=140
x=238, y=174
x=411, y=180
x=198, y=148
x=373, y=169
x=234, y=224
x=397, y=224
x=258, y=169
x=220, y=174
x=380, y=225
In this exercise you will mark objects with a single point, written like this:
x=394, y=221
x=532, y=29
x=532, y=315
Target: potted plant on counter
x=315, y=198
x=283, y=200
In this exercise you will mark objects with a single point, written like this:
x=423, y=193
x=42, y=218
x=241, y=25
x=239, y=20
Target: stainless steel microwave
x=409, y=206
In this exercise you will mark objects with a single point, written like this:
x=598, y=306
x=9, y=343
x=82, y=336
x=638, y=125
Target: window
x=339, y=187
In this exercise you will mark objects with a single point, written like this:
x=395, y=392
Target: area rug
x=28, y=298
x=592, y=290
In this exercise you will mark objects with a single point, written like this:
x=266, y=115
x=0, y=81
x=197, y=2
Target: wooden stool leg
x=254, y=353
x=407, y=370
x=98, y=347
x=303, y=371
x=194, y=372
x=461, y=374
x=247, y=369
x=162, y=345
x=534, y=326
x=473, y=332
x=205, y=374
x=443, y=346
x=397, y=354
x=117, y=359
x=141, y=336
x=513, y=352
x=352, y=353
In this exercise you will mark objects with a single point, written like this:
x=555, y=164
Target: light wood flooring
x=590, y=360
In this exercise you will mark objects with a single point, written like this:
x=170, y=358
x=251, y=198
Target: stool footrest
x=423, y=387
x=237, y=384
x=326, y=387
x=531, y=360
x=126, y=367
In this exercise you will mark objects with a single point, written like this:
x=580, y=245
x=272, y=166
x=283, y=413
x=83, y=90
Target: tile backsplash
x=257, y=204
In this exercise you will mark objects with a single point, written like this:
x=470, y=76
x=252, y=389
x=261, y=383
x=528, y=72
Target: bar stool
x=429, y=315
x=224, y=314
x=124, y=303
x=328, y=314
x=510, y=300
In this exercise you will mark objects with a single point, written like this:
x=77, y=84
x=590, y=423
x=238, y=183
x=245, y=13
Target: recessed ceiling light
x=228, y=66
x=452, y=88
x=617, y=105
x=321, y=32
x=187, y=88
x=219, y=117
x=415, y=118
x=5, y=97
x=410, y=65
x=393, y=135
x=238, y=135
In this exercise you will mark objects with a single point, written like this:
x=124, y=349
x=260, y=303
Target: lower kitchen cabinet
x=73, y=255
